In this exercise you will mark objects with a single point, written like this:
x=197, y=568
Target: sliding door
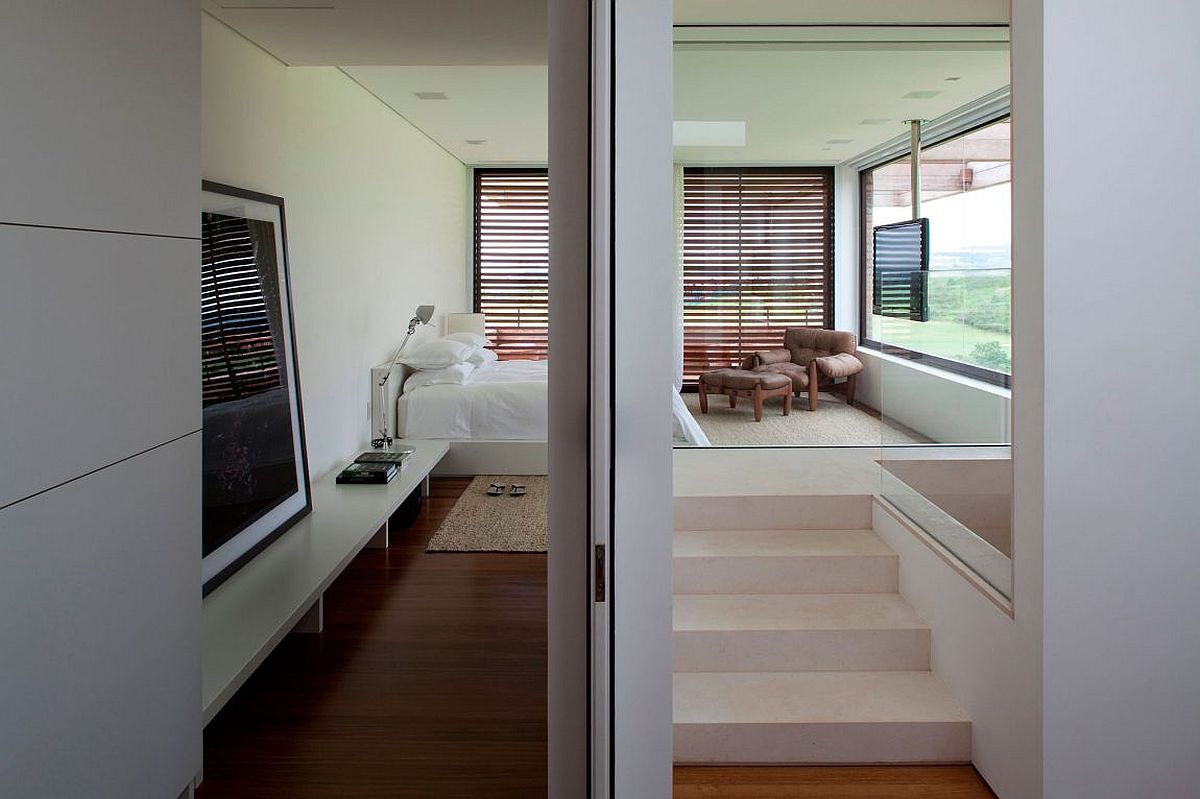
x=611, y=290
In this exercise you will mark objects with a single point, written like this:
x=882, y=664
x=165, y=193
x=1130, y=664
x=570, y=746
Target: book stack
x=368, y=474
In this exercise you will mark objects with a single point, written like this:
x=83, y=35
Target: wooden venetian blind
x=757, y=259
x=512, y=259
x=238, y=357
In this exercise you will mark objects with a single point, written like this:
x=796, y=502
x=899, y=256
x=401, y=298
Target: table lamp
x=422, y=316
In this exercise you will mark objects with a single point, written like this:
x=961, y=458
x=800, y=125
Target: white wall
x=943, y=407
x=980, y=653
x=376, y=219
x=1122, y=644
x=846, y=275
x=640, y=586
x=1017, y=758
x=100, y=406
x=993, y=663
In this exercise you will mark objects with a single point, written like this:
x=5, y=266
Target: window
x=512, y=259
x=966, y=194
x=757, y=259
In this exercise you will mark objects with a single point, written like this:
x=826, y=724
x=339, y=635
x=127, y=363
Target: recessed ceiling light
x=955, y=77
x=698, y=133
x=875, y=122
x=431, y=95
x=839, y=141
x=476, y=141
x=923, y=95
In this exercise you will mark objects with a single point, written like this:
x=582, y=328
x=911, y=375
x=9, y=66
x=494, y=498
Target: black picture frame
x=251, y=534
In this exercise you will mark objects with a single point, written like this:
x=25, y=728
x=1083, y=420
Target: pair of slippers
x=497, y=489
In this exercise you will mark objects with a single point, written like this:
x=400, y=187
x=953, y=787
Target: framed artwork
x=255, y=464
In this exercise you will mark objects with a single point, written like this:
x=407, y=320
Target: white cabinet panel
x=101, y=122
x=100, y=633
x=99, y=351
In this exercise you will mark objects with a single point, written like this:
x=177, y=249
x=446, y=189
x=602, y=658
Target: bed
x=686, y=431
x=496, y=419
x=499, y=401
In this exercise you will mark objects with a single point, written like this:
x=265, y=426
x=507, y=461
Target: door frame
x=609, y=667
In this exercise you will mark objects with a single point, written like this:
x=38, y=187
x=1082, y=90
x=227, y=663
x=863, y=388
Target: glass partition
x=956, y=485
x=773, y=220
x=945, y=354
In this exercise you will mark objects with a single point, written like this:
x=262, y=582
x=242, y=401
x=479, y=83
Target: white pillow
x=455, y=374
x=482, y=356
x=469, y=338
x=438, y=354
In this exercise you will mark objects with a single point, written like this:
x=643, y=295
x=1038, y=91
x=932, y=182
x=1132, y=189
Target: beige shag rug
x=833, y=423
x=479, y=523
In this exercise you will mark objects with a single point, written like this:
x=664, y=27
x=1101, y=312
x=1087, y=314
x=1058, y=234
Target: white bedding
x=504, y=400
x=686, y=429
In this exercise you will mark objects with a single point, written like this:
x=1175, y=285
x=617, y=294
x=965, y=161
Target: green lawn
x=949, y=339
x=968, y=319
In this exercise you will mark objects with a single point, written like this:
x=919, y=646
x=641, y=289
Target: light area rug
x=479, y=523
x=833, y=423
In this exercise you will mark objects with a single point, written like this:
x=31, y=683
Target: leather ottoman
x=744, y=383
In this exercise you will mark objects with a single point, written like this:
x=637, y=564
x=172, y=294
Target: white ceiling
x=393, y=32
x=505, y=106
x=793, y=102
x=823, y=105
x=796, y=88
x=513, y=32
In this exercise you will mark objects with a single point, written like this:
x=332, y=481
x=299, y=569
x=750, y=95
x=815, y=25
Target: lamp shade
x=465, y=323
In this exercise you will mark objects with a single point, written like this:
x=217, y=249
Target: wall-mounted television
x=901, y=269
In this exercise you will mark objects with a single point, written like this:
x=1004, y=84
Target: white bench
x=282, y=589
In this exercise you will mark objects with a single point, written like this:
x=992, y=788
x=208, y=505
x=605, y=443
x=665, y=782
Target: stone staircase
x=792, y=643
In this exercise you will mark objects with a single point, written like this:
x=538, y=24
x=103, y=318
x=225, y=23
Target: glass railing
x=943, y=379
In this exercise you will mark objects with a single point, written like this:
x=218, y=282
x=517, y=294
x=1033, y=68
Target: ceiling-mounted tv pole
x=915, y=164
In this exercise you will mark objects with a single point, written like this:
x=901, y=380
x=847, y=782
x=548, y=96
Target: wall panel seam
x=91, y=472
x=100, y=230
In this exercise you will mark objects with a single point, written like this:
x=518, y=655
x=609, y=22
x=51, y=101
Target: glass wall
x=958, y=491
x=966, y=193
x=782, y=386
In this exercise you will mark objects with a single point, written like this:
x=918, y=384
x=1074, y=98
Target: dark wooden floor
x=430, y=681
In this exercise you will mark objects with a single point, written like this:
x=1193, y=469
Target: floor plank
x=429, y=681
x=829, y=782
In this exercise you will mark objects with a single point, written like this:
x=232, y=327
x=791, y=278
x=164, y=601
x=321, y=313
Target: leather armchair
x=812, y=358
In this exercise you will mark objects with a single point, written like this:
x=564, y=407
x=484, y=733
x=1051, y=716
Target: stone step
x=783, y=562
x=798, y=632
x=818, y=717
x=829, y=512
